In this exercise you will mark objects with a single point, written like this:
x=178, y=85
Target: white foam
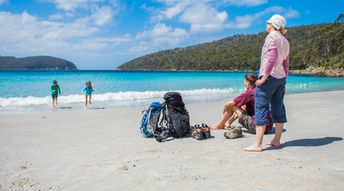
x=111, y=96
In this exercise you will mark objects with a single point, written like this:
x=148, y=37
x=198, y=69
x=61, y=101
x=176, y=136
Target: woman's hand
x=260, y=82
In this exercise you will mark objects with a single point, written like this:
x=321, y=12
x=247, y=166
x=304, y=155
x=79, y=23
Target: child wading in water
x=55, y=91
x=88, y=89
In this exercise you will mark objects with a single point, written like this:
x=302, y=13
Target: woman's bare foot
x=253, y=148
x=216, y=126
x=275, y=144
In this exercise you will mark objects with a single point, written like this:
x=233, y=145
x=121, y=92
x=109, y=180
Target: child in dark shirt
x=241, y=107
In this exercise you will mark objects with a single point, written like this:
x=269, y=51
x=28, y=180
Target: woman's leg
x=278, y=113
x=261, y=108
x=257, y=146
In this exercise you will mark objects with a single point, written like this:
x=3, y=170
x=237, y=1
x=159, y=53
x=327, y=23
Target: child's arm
x=59, y=90
x=51, y=90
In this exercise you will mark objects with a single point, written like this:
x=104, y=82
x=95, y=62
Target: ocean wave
x=110, y=96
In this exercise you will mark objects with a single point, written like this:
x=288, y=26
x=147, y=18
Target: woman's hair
x=282, y=30
x=251, y=78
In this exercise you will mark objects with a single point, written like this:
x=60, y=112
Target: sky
x=103, y=34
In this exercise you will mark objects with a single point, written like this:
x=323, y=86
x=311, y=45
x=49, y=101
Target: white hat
x=277, y=21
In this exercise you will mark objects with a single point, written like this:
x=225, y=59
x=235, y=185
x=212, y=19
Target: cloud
x=175, y=8
x=68, y=5
x=103, y=15
x=202, y=15
x=204, y=18
x=249, y=3
x=167, y=1
x=3, y=1
x=59, y=16
x=147, y=8
x=291, y=13
x=99, y=12
x=243, y=22
x=34, y=36
x=162, y=34
x=171, y=9
x=102, y=43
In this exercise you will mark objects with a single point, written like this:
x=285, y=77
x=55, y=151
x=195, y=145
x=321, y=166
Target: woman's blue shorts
x=267, y=97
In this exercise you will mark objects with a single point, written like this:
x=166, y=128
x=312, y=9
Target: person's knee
x=229, y=107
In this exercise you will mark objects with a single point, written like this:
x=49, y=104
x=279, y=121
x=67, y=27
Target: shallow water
x=22, y=90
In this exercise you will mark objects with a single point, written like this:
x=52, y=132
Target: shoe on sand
x=206, y=131
x=197, y=132
x=233, y=133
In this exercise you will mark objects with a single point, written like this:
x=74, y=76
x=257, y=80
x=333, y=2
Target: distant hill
x=320, y=45
x=35, y=63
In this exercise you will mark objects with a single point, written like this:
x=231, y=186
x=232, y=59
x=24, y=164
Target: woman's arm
x=272, y=58
x=286, y=65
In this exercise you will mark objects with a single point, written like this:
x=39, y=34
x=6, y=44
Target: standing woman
x=270, y=88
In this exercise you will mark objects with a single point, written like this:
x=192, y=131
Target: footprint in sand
x=127, y=166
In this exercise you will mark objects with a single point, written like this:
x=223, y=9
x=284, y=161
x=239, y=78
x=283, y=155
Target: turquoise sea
x=22, y=91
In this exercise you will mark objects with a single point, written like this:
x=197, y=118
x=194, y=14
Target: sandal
x=197, y=132
x=206, y=131
x=233, y=133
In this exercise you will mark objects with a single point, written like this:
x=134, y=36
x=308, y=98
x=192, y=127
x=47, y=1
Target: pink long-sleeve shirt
x=275, y=56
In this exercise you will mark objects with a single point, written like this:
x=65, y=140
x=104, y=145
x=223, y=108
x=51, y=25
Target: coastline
x=309, y=71
x=103, y=150
x=321, y=72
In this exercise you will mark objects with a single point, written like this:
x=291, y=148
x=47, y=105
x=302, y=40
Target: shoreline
x=109, y=105
x=321, y=72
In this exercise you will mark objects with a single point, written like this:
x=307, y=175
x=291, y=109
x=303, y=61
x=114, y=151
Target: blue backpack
x=150, y=118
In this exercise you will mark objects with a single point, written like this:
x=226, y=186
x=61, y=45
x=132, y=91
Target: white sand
x=103, y=150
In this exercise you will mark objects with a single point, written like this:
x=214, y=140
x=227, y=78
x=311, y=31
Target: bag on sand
x=150, y=118
x=175, y=120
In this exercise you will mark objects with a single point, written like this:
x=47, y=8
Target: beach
x=102, y=149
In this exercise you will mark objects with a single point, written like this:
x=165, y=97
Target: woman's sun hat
x=278, y=21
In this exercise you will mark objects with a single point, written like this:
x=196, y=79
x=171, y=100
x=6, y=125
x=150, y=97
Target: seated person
x=242, y=107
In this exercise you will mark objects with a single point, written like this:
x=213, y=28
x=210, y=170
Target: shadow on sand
x=273, y=131
x=268, y=133
x=316, y=142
